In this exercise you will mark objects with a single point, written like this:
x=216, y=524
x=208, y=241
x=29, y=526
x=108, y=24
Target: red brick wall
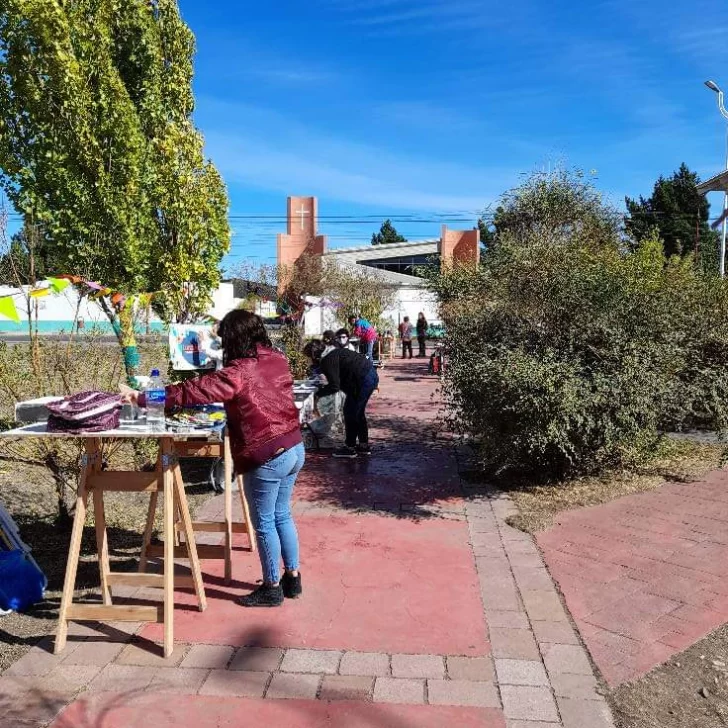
x=460, y=246
x=301, y=234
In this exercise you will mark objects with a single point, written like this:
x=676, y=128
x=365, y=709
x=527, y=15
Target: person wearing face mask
x=343, y=340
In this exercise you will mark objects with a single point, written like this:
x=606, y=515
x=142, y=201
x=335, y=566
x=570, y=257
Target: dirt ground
x=690, y=691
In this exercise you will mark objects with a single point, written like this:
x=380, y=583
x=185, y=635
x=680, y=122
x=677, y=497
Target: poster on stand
x=188, y=347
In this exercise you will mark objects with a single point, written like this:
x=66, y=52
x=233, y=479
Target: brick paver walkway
x=421, y=608
x=645, y=575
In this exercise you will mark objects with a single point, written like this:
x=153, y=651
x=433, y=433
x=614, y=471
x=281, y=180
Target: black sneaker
x=364, y=449
x=345, y=452
x=264, y=596
x=291, y=585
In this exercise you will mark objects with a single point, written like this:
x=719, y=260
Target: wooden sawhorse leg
x=227, y=526
x=247, y=522
x=94, y=481
x=74, y=549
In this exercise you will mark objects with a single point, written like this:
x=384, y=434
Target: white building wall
x=318, y=319
x=409, y=302
x=60, y=311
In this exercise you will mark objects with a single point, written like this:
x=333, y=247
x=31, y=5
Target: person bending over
x=353, y=374
x=366, y=333
x=256, y=387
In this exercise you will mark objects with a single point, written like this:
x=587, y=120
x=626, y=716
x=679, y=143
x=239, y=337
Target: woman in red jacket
x=256, y=386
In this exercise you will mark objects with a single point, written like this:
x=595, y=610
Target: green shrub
x=568, y=354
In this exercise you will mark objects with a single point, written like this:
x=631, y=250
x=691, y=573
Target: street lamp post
x=713, y=86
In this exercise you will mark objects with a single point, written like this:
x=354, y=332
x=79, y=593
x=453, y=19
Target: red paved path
x=401, y=572
x=372, y=583
x=202, y=712
x=644, y=576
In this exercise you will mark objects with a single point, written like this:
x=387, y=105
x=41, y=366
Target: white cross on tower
x=302, y=212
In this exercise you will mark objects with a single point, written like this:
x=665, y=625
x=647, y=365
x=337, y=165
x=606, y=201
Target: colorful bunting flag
x=59, y=284
x=8, y=309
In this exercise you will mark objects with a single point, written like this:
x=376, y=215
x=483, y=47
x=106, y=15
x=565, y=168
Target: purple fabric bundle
x=85, y=412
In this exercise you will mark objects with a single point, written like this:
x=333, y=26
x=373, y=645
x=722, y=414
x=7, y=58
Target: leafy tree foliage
x=98, y=146
x=678, y=212
x=25, y=259
x=555, y=206
x=487, y=231
x=569, y=353
x=387, y=234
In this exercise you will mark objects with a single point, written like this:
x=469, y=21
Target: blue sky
x=427, y=110
x=430, y=109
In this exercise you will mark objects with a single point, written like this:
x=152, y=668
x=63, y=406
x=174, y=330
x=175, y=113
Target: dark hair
x=352, y=319
x=313, y=350
x=328, y=337
x=406, y=318
x=343, y=332
x=241, y=332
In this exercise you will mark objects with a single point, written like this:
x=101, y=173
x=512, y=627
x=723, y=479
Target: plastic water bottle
x=155, y=395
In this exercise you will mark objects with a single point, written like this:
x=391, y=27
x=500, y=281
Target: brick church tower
x=301, y=236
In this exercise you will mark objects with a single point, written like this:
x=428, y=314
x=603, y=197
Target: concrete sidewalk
x=421, y=608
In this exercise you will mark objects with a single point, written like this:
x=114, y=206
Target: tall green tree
x=679, y=214
x=97, y=145
x=387, y=234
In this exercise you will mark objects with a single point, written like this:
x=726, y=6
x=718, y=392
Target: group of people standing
x=407, y=331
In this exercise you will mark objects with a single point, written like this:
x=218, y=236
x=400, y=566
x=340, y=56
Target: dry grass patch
x=679, y=460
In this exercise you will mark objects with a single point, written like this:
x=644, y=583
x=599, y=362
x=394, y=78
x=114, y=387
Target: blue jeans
x=355, y=417
x=367, y=348
x=268, y=489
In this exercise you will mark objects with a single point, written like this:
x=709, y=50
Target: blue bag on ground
x=21, y=582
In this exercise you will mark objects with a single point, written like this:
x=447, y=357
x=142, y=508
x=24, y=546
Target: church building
x=394, y=263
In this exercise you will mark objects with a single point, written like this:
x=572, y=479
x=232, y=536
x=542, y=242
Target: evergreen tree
x=678, y=212
x=387, y=234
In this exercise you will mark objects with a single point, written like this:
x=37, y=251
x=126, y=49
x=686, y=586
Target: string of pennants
x=95, y=291
x=59, y=284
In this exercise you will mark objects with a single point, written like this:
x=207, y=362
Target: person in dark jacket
x=256, y=386
x=422, y=326
x=353, y=374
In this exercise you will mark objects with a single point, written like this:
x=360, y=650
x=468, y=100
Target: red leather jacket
x=258, y=395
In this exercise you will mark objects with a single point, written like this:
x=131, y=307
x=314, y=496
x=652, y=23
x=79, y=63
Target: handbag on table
x=85, y=412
